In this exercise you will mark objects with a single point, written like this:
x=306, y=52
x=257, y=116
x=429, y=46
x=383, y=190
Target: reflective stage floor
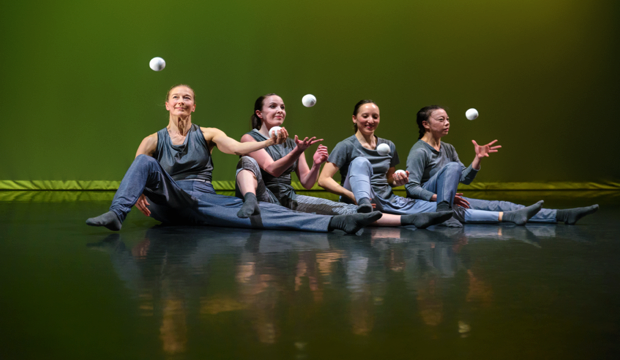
x=70, y=291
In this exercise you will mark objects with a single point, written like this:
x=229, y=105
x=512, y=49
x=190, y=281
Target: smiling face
x=273, y=111
x=367, y=119
x=181, y=101
x=438, y=123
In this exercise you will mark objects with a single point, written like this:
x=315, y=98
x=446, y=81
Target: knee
x=453, y=167
x=144, y=160
x=360, y=165
x=248, y=163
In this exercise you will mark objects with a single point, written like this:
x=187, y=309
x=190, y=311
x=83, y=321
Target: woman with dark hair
x=435, y=172
x=265, y=174
x=368, y=175
x=170, y=180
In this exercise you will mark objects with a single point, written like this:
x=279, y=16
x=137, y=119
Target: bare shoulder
x=148, y=145
x=247, y=138
x=209, y=133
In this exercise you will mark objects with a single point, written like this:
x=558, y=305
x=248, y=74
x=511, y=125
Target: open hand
x=460, y=201
x=485, y=150
x=306, y=143
x=320, y=155
x=142, y=204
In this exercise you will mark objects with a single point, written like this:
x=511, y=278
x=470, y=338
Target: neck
x=180, y=125
x=431, y=140
x=264, y=129
x=369, y=139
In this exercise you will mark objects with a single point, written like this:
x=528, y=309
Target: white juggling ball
x=275, y=129
x=308, y=100
x=471, y=114
x=383, y=149
x=157, y=64
x=400, y=171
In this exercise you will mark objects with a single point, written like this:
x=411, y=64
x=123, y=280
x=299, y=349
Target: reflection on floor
x=150, y=291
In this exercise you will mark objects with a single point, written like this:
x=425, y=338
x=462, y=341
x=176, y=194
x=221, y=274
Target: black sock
x=424, y=220
x=109, y=220
x=250, y=206
x=451, y=221
x=354, y=222
x=444, y=206
x=571, y=216
x=521, y=216
x=364, y=206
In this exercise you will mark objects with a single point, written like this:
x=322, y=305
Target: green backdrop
x=78, y=95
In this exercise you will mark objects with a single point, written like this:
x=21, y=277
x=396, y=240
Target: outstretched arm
x=327, y=182
x=483, y=151
x=276, y=168
x=231, y=146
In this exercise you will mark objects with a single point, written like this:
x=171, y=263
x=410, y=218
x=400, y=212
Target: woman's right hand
x=280, y=136
x=142, y=204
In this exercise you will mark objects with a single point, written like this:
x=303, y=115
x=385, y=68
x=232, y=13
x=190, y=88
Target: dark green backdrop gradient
x=78, y=96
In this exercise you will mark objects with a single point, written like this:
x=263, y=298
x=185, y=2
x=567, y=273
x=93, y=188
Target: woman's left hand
x=460, y=201
x=306, y=143
x=321, y=155
x=400, y=178
x=485, y=150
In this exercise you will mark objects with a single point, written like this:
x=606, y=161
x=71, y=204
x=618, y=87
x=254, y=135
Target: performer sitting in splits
x=170, y=180
x=435, y=172
x=367, y=176
x=265, y=174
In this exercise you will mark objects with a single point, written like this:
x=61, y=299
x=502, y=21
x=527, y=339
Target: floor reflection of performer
x=157, y=280
x=176, y=272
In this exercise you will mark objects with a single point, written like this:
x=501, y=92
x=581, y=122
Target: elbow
x=307, y=186
x=272, y=173
x=466, y=181
x=321, y=183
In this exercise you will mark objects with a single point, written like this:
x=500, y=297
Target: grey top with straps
x=280, y=186
x=188, y=161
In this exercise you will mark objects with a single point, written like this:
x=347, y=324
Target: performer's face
x=273, y=112
x=181, y=101
x=367, y=118
x=438, y=123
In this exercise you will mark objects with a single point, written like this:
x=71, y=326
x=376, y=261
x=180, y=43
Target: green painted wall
x=78, y=96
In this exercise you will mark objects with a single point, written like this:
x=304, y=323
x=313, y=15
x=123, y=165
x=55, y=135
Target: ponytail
x=256, y=122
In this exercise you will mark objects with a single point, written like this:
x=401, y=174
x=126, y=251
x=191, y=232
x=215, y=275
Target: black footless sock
x=353, y=223
x=250, y=206
x=444, y=206
x=424, y=220
x=521, y=216
x=109, y=220
x=364, y=206
x=571, y=216
x=450, y=222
